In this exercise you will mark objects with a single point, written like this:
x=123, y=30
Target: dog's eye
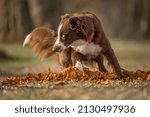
x=63, y=37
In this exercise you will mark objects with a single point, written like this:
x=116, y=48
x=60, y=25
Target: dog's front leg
x=64, y=57
x=100, y=60
x=112, y=59
x=76, y=59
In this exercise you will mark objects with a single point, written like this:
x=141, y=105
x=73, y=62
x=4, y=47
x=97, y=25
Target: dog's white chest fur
x=85, y=48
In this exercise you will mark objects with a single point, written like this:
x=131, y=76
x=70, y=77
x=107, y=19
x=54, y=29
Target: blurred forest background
x=126, y=23
x=120, y=18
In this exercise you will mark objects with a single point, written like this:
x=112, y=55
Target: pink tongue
x=91, y=37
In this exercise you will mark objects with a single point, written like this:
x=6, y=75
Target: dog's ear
x=75, y=23
x=83, y=25
x=65, y=16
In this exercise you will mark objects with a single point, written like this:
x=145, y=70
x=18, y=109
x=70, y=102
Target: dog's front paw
x=79, y=66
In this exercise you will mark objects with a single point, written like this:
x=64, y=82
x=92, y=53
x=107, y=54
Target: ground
x=132, y=55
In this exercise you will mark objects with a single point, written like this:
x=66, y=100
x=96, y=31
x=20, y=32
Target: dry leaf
x=71, y=73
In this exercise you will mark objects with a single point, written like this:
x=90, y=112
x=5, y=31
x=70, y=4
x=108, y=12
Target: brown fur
x=41, y=41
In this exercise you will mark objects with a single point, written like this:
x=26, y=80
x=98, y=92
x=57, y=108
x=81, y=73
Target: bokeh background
x=126, y=23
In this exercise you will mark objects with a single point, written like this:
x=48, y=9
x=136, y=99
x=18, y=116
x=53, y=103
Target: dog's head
x=71, y=29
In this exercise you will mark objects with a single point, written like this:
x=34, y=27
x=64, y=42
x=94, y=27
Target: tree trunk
x=15, y=20
x=147, y=33
x=46, y=12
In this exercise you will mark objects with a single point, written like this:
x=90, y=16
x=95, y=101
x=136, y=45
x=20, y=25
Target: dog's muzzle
x=58, y=48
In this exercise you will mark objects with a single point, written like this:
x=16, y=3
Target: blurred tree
x=15, y=19
x=19, y=17
x=46, y=13
x=147, y=33
x=121, y=18
x=137, y=17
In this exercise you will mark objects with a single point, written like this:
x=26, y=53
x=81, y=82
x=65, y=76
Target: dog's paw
x=79, y=66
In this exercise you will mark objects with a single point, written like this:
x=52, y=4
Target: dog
x=80, y=37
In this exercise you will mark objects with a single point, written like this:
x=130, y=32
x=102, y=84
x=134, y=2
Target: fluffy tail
x=41, y=41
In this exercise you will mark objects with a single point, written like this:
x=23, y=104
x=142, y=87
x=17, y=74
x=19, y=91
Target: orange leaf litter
x=71, y=74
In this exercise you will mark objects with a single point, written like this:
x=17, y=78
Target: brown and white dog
x=80, y=37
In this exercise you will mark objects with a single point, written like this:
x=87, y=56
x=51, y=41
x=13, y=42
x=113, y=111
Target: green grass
x=132, y=54
x=21, y=57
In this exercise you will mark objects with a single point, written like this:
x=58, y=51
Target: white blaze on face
x=58, y=41
x=58, y=38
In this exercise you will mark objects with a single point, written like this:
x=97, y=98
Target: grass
x=132, y=55
x=79, y=91
x=20, y=57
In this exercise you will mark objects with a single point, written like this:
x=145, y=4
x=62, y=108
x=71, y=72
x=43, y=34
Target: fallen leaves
x=71, y=73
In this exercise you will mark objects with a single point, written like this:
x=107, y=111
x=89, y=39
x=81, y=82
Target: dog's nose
x=57, y=48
